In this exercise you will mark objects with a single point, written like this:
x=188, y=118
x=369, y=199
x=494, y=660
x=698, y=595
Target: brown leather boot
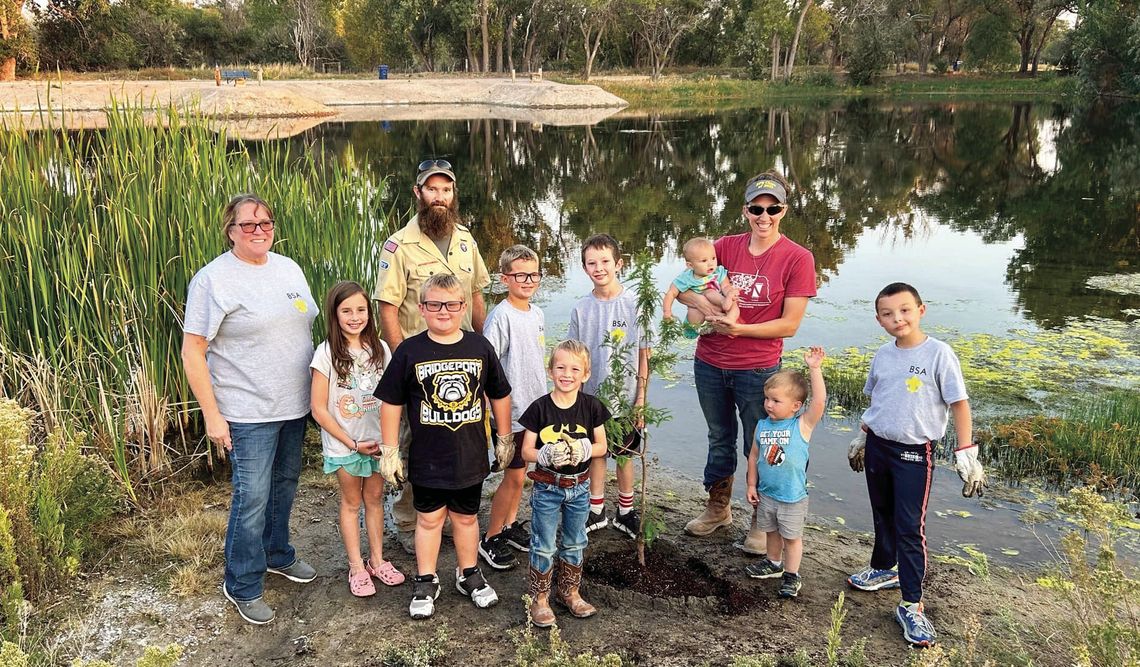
x=717, y=511
x=540, y=612
x=569, y=579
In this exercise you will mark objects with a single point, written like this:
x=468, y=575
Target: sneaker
x=300, y=572
x=917, y=628
x=474, y=586
x=425, y=589
x=596, y=520
x=496, y=553
x=790, y=585
x=764, y=569
x=517, y=535
x=407, y=540
x=253, y=611
x=871, y=579
x=628, y=523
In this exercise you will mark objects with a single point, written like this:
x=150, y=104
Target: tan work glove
x=391, y=467
x=857, y=452
x=504, y=450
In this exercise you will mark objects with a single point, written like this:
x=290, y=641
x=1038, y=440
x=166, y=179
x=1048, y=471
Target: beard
x=438, y=222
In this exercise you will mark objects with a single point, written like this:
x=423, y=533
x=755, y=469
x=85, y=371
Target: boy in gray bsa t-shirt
x=611, y=310
x=516, y=329
x=914, y=383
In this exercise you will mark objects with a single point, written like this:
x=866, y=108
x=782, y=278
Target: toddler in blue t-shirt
x=777, y=470
x=704, y=277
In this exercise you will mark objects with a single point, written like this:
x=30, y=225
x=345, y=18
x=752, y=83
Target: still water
x=998, y=212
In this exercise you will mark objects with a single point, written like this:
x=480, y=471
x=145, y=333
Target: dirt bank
x=322, y=624
x=288, y=99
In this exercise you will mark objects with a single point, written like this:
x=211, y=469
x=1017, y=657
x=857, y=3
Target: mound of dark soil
x=668, y=575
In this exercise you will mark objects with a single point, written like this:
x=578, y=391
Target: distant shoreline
x=304, y=99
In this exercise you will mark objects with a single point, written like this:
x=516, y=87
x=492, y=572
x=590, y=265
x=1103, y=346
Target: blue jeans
x=551, y=505
x=266, y=462
x=722, y=394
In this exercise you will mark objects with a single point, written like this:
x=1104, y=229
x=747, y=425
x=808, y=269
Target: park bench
x=236, y=75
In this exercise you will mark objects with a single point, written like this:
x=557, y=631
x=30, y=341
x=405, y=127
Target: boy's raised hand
x=813, y=357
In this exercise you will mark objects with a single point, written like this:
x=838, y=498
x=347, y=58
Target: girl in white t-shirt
x=346, y=368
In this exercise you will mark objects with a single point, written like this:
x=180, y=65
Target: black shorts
x=630, y=445
x=460, y=501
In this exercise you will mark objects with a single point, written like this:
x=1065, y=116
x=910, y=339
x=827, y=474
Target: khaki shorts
x=788, y=518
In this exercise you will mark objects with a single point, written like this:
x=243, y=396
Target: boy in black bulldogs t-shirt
x=442, y=375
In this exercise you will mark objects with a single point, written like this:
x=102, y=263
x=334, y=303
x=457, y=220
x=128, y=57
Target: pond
x=999, y=213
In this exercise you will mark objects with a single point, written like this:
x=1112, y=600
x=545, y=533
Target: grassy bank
x=699, y=91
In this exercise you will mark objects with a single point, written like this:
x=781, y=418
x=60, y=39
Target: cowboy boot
x=540, y=612
x=717, y=511
x=569, y=579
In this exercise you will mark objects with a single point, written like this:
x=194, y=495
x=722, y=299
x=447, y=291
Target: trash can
x=382, y=71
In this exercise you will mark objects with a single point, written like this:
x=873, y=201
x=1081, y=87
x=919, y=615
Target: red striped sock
x=597, y=504
x=625, y=502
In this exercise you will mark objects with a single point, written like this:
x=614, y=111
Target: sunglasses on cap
x=434, y=164
x=772, y=210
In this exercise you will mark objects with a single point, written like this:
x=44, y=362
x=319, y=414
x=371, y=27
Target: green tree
x=989, y=46
x=662, y=22
x=869, y=53
x=14, y=37
x=1107, y=47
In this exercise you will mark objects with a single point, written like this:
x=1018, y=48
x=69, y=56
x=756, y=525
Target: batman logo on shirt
x=550, y=435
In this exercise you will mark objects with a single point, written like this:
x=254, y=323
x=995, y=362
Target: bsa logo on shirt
x=451, y=389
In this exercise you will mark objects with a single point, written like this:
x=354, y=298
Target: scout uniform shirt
x=410, y=257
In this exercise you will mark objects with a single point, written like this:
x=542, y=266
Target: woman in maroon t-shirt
x=774, y=278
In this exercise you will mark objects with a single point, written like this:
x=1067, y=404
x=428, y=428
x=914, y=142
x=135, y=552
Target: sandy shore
x=348, y=100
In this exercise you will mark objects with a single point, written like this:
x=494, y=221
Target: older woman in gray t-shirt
x=246, y=347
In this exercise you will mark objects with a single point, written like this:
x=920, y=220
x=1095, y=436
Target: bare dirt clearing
x=322, y=624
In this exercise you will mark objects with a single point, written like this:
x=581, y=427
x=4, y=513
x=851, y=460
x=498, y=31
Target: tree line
x=1097, y=39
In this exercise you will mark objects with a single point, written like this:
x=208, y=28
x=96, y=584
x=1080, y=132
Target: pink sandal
x=360, y=584
x=386, y=573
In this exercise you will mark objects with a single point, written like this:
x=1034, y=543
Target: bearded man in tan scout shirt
x=433, y=241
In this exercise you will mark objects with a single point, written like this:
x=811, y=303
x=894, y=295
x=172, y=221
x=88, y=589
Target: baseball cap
x=429, y=168
x=764, y=185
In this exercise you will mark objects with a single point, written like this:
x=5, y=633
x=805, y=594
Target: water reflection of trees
x=654, y=181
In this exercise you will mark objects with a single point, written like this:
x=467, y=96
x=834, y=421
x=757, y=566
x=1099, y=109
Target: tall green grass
x=1096, y=440
x=102, y=232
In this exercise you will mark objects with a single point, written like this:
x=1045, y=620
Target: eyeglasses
x=772, y=210
x=525, y=277
x=436, y=306
x=248, y=227
x=434, y=164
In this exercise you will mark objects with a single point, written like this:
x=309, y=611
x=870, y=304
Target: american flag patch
x=390, y=246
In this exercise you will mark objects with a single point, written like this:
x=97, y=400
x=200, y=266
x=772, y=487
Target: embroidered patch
x=383, y=264
x=462, y=247
x=390, y=245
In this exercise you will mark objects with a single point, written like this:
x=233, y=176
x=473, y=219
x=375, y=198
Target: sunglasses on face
x=525, y=277
x=249, y=227
x=434, y=164
x=436, y=306
x=772, y=211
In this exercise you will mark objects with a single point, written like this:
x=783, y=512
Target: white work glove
x=552, y=456
x=857, y=452
x=391, y=467
x=970, y=470
x=504, y=450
